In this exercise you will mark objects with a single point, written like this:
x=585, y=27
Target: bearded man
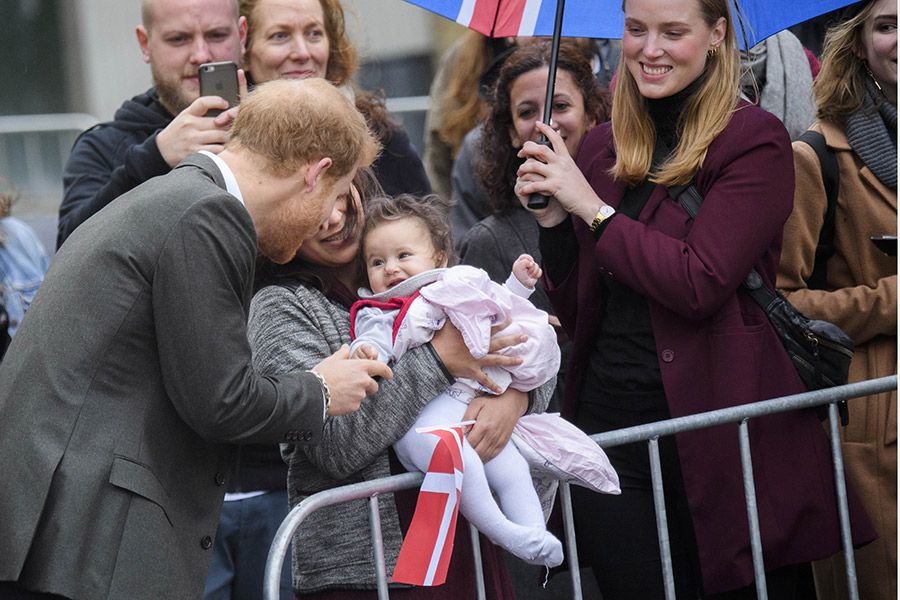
x=156, y=130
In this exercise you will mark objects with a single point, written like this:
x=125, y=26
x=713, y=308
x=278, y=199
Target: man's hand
x=350, y=381
x=495, y=417
x=191, y=131
x=450, y=347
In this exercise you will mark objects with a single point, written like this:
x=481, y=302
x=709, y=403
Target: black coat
x=112, y=158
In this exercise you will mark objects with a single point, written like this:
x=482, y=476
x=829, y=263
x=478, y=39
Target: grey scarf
x=782, y=73
x=872, y=133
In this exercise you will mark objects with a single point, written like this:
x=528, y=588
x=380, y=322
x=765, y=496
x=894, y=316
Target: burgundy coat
x=715, y=346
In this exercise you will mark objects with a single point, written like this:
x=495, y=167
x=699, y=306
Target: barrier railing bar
x=736, y=414
x=662, y=523
x=565, y=498
x=479, y=567
x=378, y=547
x=606, y=440
x=401, y=104
x=46, y=123
x=759, y=569
x=840, y=486
x=301, y=511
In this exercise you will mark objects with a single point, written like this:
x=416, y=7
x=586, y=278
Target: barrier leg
x=479, y=565
x=662, y=524
x=759, y=568
x=277, y=551
x=378, y=548
x=840, y=486
x=565, y=497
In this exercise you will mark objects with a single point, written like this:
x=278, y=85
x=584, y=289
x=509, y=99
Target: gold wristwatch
x=605, y=212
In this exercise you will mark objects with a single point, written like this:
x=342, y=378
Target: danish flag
x=425, y=554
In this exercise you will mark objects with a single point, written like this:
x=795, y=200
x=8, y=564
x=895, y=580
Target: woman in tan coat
x=856, y=98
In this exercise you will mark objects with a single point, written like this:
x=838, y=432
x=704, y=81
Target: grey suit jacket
x=125, y=386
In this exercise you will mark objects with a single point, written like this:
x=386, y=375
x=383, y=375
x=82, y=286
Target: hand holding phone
x=219, y=79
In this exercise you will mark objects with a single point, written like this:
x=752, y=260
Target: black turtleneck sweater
x=623, y=366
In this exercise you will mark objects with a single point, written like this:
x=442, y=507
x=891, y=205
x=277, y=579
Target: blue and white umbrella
x=603, y=18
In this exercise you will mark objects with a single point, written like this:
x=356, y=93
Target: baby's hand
x=526, y=270
x=365, y=352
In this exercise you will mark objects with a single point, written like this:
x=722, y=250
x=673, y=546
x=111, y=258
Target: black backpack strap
x=831, y=178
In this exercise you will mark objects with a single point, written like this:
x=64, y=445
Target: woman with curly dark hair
x=516, y=104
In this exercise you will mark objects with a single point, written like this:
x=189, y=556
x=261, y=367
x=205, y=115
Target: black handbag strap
x=690, y=199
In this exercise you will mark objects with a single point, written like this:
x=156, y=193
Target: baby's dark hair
x=431, y=209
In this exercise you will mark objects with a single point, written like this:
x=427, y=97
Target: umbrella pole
x=538, y=201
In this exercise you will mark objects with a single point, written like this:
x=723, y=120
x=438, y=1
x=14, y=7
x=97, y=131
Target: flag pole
x=538, y=201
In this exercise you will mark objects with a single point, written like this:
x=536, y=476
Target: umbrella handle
x=538, y=201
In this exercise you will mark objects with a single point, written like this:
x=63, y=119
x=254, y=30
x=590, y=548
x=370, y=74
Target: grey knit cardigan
x=294, y=326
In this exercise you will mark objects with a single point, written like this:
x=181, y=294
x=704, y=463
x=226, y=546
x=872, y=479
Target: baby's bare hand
x=526, y=270
x=366, y=352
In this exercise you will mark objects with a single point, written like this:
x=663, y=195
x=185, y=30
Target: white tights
x=519, y=527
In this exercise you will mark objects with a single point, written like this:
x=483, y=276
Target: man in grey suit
x=131, y=377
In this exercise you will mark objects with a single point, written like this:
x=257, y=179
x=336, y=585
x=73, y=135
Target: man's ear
x=315, y=171
x=242, y=31
x=143, y=39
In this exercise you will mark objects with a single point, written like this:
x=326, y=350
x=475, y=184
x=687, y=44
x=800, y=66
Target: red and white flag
x=425, y=554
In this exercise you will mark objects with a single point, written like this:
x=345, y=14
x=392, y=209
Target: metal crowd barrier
x=649, y=433
x=34, y=148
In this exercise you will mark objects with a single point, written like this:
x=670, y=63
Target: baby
x=406, y=247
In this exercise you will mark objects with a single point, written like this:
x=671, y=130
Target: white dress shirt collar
x=231, y=184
